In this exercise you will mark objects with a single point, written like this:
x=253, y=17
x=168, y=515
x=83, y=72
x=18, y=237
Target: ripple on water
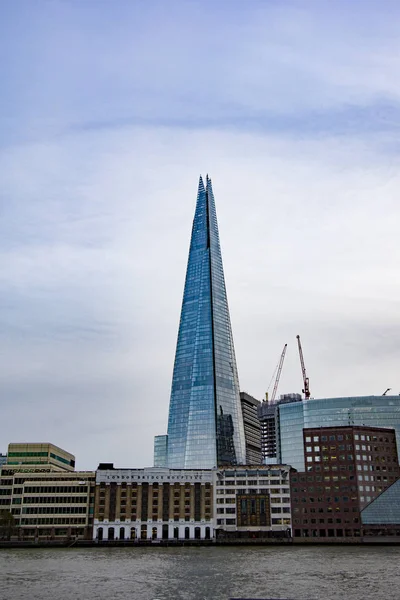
x=209, y=573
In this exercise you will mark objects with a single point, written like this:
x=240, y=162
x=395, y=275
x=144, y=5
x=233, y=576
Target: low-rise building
x=153, y=504
x=47, y=498
x=346, y=468
x=252, y=502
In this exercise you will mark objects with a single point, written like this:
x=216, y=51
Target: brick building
x=346, y=468
x=153, y=504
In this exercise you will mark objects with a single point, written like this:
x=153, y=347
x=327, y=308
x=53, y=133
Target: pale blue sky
x=109, y=111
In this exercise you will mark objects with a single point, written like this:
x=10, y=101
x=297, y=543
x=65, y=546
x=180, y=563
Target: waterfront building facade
x=372, y=411
x=153, y=504
x=346, y=468
x=205, y=424
x=47, y=498
x=252, y=430
x=3, y=459
x=252, y=502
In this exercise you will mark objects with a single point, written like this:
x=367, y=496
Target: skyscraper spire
x=205, y=426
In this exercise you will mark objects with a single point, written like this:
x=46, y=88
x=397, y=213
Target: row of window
x=321, y=510
x=54, y=520
x=322, y=521
x=347, y=436
x=255, y=482
x=52, y=489
x=54, y=510
x=54, y=500
x=274, y=521
x=325, y=499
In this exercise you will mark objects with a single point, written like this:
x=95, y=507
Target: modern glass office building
x=371, y=411
x=205, y=425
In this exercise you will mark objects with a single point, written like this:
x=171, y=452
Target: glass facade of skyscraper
x=371, y=411
x=205, y=425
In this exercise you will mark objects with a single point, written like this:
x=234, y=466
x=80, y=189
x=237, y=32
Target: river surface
x=208, y=573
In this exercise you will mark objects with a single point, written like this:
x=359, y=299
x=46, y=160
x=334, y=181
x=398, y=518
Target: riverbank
x=370, y=541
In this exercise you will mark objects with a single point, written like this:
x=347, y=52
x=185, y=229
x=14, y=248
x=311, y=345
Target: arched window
x=187, y=533
x=133, y=533
x=111, y=534
x=197, y=533
x=208, y=536
x=154, y=533
x=122, y=533
x=100, y=534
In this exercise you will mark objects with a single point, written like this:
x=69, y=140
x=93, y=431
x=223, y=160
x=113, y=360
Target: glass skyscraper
x=370, y=411
x=205, y=425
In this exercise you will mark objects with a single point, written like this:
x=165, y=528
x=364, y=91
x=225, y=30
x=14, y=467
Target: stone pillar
x=118, y=503
x=182, y=502
x=139, y=502
x=150, y=503
x=160, y=502
x=202, y=501
x=129, y=501
x=171, y=501
x=96, y=502
x=107, y=502
x=192, y=501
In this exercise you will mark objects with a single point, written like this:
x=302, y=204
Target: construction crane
x=278, y=374
x=306, y=382
x=388, y=390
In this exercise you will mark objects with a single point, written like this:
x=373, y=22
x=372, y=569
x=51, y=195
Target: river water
x=208, y=573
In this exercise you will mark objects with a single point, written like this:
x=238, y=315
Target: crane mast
x=306, y=382
x=278, y=374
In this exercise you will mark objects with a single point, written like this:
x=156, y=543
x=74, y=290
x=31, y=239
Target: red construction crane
x=306, y=382
x=278, y=374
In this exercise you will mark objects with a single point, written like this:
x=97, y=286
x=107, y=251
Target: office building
x=346, y=468
x=252, y=502
x=205, y=424
x=252, y=430
x=47, y=498
x=49, y=505
x=371, y=411
x=153, y=504
x=268, y=416
x=39, y=456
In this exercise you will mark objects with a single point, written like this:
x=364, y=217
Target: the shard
x=205, y=425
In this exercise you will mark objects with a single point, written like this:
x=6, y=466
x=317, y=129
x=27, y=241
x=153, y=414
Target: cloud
x=105, y=136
